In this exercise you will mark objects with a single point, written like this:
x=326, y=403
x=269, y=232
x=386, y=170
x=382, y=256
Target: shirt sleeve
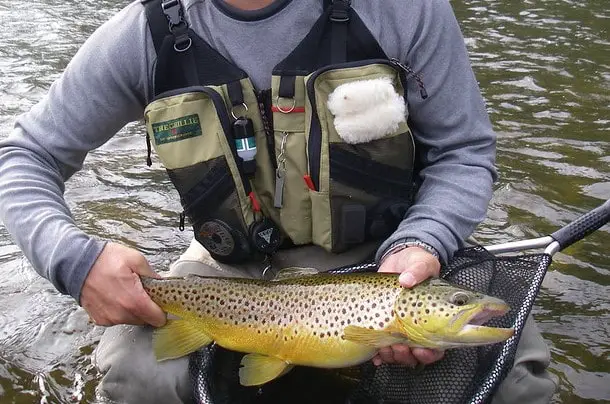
x=104, y=87
x=455, y=142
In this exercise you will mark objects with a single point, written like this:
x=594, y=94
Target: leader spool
x=224, y=243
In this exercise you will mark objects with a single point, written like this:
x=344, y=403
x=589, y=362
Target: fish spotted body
x=320, y=320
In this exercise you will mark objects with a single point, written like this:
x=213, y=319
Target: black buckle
x=177, y=25
x=340, y=10
x=173, y=12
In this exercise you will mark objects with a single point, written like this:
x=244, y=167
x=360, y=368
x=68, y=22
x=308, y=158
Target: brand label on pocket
x=177, y=129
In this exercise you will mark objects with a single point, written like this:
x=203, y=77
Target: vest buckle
x=340, y=10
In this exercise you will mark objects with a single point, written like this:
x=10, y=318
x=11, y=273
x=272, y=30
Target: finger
x=402, y=355
x=427, y=356
x=386, y=354
x=142, y=267
x=148, y=311
x=124, y=318
x=377, y=361
x=417, y=272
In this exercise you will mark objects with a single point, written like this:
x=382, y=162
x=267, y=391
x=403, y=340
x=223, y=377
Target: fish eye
x=459, y=298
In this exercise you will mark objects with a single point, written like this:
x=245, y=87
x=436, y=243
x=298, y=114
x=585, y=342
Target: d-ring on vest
x=261, y=170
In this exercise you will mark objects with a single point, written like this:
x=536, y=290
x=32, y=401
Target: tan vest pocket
x=360, y=153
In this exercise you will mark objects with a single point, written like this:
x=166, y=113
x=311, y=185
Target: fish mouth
x=487, y=312
x=475, y=333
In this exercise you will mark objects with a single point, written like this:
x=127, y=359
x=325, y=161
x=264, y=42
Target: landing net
x=464, y=375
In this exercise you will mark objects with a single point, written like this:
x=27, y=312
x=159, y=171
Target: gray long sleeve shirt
x=109, y=82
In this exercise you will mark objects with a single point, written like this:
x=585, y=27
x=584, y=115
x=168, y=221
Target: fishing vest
x=313, y=160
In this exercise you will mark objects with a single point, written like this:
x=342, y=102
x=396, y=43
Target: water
x=544, y=69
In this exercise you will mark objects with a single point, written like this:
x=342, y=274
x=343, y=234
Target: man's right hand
x=112, y=292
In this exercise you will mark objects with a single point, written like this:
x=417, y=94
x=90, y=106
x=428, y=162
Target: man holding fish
x=298, y=134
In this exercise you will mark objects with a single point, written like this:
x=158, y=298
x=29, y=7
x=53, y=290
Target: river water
x=544, y=69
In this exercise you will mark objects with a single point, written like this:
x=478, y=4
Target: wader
x=268, y=180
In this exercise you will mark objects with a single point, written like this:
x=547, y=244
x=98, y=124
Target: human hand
x=112, y=292
x=414, y=264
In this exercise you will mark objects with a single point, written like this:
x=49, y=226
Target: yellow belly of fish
x=294, y=345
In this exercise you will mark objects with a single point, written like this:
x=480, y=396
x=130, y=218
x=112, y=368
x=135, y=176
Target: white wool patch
x=366, y=110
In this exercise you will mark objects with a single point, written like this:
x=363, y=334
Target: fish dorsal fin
x=259, y=369
x=294, y=272
x=177, y=338
x=374, y=338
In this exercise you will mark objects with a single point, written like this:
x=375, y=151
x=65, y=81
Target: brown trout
x=320, y=320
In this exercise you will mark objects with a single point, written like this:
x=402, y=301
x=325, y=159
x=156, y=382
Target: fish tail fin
x=178, y=338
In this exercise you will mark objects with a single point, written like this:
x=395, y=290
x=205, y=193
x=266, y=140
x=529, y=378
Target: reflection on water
x=544, y=68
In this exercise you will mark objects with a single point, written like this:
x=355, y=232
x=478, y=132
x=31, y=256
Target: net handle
x=562, y=238
x=583, y=226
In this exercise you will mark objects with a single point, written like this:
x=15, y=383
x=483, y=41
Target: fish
x=318, y=320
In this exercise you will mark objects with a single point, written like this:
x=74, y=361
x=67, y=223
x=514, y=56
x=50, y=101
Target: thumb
x=418, y=266
x=142, y=267
x=415, y=273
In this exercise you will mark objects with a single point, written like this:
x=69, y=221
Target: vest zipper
x=263, y=98
x=314, y=145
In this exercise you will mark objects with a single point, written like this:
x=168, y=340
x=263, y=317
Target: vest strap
x=157, y=22
x=339, y=16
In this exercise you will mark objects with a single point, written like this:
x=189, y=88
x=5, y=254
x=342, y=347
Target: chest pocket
x=359, y=152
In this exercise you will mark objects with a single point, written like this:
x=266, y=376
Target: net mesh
x=465, y=375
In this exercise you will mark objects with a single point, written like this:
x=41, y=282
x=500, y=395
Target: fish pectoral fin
x=177, y=338
x=259, y=369
x=374, y=338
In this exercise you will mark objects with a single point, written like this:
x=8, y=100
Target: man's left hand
x=414, y=264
